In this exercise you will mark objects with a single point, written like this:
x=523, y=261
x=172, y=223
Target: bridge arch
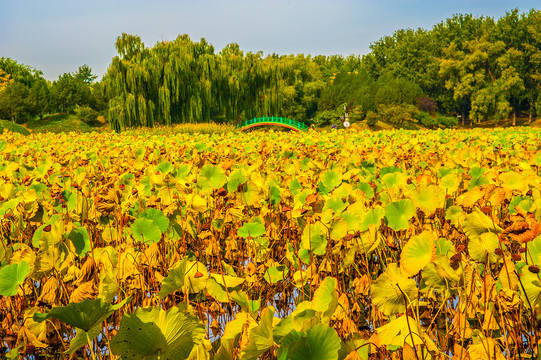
x=272, y=121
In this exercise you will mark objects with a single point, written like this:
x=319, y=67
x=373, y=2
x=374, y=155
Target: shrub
x=426, y=119
x=327, y=117
x=397, y=114
x=372, y=118
x=446, y=121
x=86, y=114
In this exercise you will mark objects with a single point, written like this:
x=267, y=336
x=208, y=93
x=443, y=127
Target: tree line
x=26, y=95
x=474, y=68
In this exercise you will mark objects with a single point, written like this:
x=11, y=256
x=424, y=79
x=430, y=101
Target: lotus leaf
x=86, y=316
x=211, y=177
x=260, y=338
x=314, y=238
x=482, y=248
x=398, y=214
x=318, y=343
x=81, y=241
x=145, y=230
x=331, y=179
x=252, y=229
x=397, y=332
x=11, y=276
x=152, y=333
x=418, y=252
x=393, y=291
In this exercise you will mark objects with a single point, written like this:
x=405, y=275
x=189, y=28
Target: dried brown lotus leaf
x=87, y=271
x=153, y=255
x=50, y=292
x=86, y=290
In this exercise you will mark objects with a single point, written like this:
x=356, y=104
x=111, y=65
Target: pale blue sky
x=58, y=36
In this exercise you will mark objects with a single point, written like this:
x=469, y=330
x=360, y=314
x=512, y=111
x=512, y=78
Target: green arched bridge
x=272, y=121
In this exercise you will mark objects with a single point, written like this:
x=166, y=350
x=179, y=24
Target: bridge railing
x=274, y=119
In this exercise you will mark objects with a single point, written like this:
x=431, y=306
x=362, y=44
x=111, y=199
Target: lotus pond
x=274, y=245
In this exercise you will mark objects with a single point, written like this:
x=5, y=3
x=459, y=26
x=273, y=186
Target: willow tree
x=184, y=81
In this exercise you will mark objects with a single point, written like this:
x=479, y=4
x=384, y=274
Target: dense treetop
x=476, y=67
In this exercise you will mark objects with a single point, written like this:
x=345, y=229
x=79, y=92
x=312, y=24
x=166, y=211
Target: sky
x=58, y=36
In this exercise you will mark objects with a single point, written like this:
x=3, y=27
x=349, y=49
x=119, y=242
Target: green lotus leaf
x=86, y=316
x=318, y=343
x=331, y=179
x=174, y=280
x=371, y=217
x=80, y=239
x=325, y=298
x=211, y=177
x=158, y=217
x=389, y=170
x=297, y=321
x=450, y=183
x=418, y=251
x=336, y=204
x=394, y=179
x=444, y=247
x=152, y=333
x=11, y=276
x=454, y=213
x=477, y=172
x=482, y=248
x=165, y=167
x=524, y=202
x=146, y=230
x=367, y=189
x=398, y=214
x=236, y=178
x=275, y=274
x=314, y=238
x=252, y=229
x=241, y=298
x=477, y=182
x=392, y=290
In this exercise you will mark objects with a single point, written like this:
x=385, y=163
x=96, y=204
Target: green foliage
x=16, y=103
x=59, y=123
x=10, y=126
x=426, y=119
x=446, y=121
x=86, y=114
x=397, y=114
x=327, y=117
x=372, y=118
x=69, y=92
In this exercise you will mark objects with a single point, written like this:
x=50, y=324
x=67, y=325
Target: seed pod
x=534, y=269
